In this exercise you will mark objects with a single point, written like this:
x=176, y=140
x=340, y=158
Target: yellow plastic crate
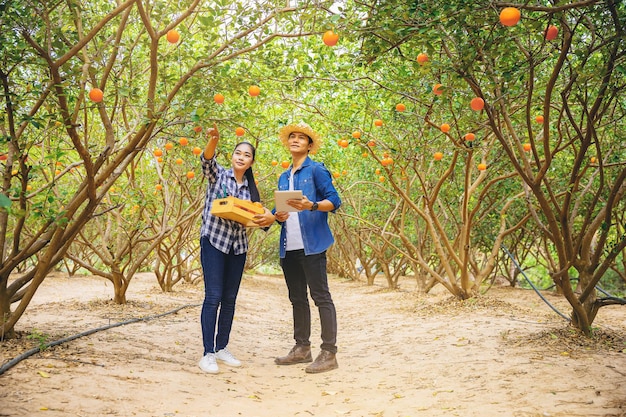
x=233, y=208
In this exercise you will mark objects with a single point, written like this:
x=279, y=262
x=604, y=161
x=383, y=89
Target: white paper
x=281, y=197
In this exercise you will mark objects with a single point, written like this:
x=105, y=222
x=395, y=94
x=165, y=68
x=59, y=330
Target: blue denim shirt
x=316, y=184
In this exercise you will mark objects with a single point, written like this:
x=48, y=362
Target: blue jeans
x=222, y=276
x=301, y=271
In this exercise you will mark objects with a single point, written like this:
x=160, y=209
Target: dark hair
x=254, y=191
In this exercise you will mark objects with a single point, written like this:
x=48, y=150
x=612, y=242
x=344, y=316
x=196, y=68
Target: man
x=304, y=238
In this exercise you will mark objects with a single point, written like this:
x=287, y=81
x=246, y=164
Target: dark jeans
x=222, y=276
x=301, y=271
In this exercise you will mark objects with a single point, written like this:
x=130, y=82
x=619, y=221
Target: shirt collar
x=231, y=174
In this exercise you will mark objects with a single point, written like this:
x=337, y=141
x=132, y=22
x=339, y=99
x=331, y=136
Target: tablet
x=281, y=197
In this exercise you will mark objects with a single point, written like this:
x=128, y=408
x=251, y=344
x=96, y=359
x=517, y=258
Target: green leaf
x=5, y=202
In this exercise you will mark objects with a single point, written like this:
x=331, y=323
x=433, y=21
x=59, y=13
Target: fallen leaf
x=44, y=374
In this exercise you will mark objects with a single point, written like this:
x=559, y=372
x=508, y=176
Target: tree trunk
x=5, y=313
x=583, y=317
x=119, y=287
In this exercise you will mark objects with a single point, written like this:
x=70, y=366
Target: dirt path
x=506, y=354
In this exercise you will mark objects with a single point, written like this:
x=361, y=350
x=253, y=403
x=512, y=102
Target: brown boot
x=325, y=361
x=298, y=354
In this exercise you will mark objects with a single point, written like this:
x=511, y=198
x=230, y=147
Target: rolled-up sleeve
x=325, y=187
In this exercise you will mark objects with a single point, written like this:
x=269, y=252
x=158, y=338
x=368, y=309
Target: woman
x=223, y=249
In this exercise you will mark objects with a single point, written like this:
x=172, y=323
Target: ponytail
x=254, y=190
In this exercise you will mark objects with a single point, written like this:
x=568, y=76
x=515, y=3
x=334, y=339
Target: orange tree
x=553, y=107
x=93, y=82
x=401, y=212
x=147, y=221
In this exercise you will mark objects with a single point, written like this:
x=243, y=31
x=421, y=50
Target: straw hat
x=285, y=131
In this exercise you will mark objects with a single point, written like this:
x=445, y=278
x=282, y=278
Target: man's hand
x=300, y=203
x=281, y=216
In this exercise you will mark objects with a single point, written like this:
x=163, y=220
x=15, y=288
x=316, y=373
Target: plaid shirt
x=223, y=234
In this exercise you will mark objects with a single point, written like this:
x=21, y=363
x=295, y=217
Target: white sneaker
x=225, y=356
x=208, y=364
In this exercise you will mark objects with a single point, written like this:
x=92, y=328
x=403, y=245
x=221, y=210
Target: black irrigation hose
x=610, y=296
x=8, y=365
x=533, y=285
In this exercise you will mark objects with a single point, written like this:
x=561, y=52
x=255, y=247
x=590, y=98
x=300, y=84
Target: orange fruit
x=197, y=129
x=510, y=16
x=330, y=38
x=469, y=137
x=438, y=156
x=96, y=95
x=240, y=131
x=157, y=152
x=377, y=171
x=539, y=119
x=422, y=58
x=172, y=36
x=159, y=187
x=160, y=159
x=445, y=128
x=593, y=159
x=336, y=174
x=400, y=107
x=482, y=167
x=254, y=90
x=183, y=141
x=356, y=134
x=218, y=98
x=196, y=150
x=179, y=161
x=371, y=143
x=477, y=104
x=169, y=146
x=285, y=164
x=274, y=163
x=191, y=174
x=381, y=179
x=4, y=157
x=378, y=122
x=57, y=172
x=344, y=172
x=437, y=89
x=364, y=155
x=527, y=147
x=29, y=187
x=386, y=161
x=344, y=143
x=551, y=33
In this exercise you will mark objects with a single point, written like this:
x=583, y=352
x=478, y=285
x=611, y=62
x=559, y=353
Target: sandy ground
x=400, y=354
